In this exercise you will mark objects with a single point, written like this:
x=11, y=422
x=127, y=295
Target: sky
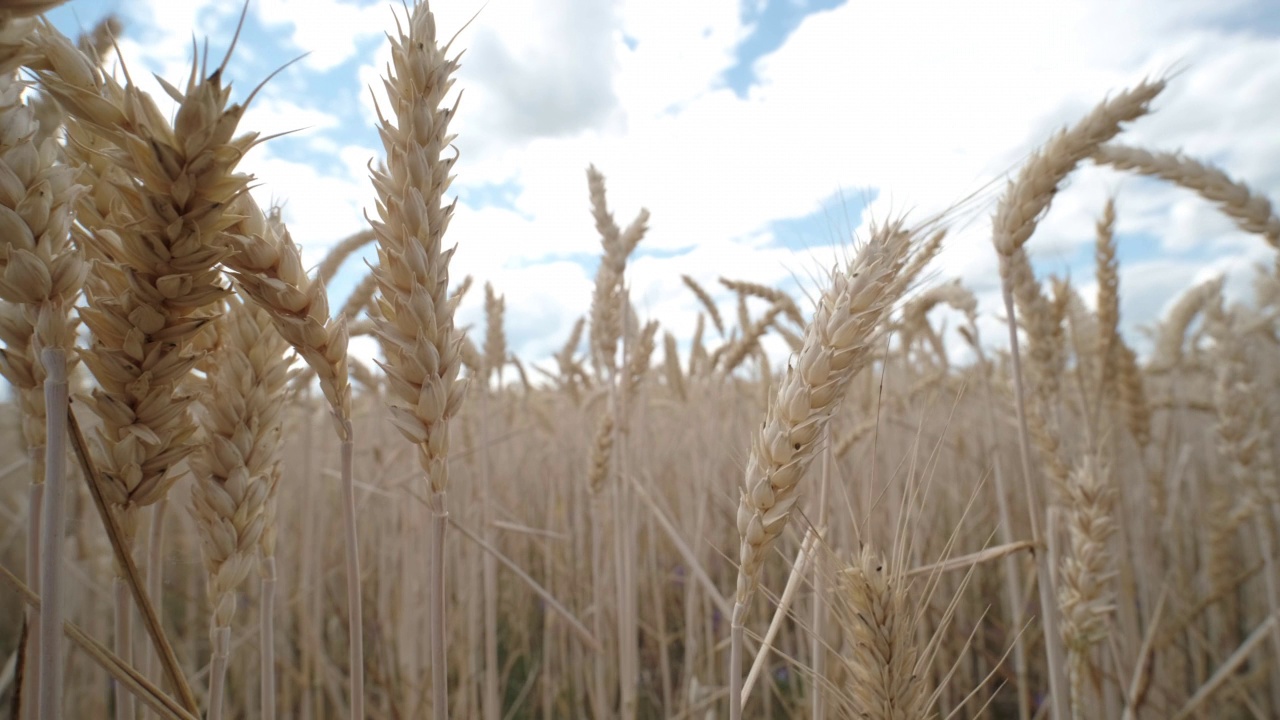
x=762, y=135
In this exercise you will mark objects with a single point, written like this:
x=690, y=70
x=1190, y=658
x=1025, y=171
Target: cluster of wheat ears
x=1053, y=529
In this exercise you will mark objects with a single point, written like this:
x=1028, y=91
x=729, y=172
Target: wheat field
x=211, y=510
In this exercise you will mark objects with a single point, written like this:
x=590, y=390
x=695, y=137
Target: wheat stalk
x=413, y=314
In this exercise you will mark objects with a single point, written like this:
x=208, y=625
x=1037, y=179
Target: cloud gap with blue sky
x=760, y=134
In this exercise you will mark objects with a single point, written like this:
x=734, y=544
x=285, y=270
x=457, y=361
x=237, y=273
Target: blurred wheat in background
x=895, y=518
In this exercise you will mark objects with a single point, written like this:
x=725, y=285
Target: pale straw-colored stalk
x=42, y=273
x=839, y=341
x=413, y=313
x=495, y=354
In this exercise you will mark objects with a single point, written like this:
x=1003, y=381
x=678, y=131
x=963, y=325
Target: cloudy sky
x=761, y=134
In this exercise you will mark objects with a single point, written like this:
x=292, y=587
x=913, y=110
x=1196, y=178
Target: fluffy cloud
x=929, y=103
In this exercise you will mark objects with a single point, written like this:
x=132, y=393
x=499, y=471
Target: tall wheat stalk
x=41, y=273
x=413, y=313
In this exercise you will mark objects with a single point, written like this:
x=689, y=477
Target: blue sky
x=760, y=134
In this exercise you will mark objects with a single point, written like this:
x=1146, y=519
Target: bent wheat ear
x=838, y=342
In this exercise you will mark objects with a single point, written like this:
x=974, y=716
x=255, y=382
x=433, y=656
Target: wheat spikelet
x=752, y=333
x=40, y=270
x=839, y=342
x=413, y=313
x=641, y=356
x=1250, y=210
x=1172, y=332
x=601, y=452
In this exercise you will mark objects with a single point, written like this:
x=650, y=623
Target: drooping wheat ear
x=241, y=417
x=1250, y=210
x=145, y=311
x=339, y=253
x=495, y=336
x=839, y=341
x=413, y=313
x=671, y=366
x=606, y=302
x=1172, y=332
x=267, y=266
x=1086, y=572
x=1028, y=196
x=773, y=295
x=873, y=606
x=1108, y=272
x=707, y=303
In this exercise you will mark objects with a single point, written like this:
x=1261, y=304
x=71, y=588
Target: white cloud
x=928, y=102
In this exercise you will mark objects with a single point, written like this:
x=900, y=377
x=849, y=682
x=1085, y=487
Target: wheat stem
x=52, y=533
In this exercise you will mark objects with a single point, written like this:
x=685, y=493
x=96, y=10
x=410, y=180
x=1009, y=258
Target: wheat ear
x=413, y=314
x=839, y=341
x=1250, y=210
x=873, y=605
x=1086, y=570
x=241, y=419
